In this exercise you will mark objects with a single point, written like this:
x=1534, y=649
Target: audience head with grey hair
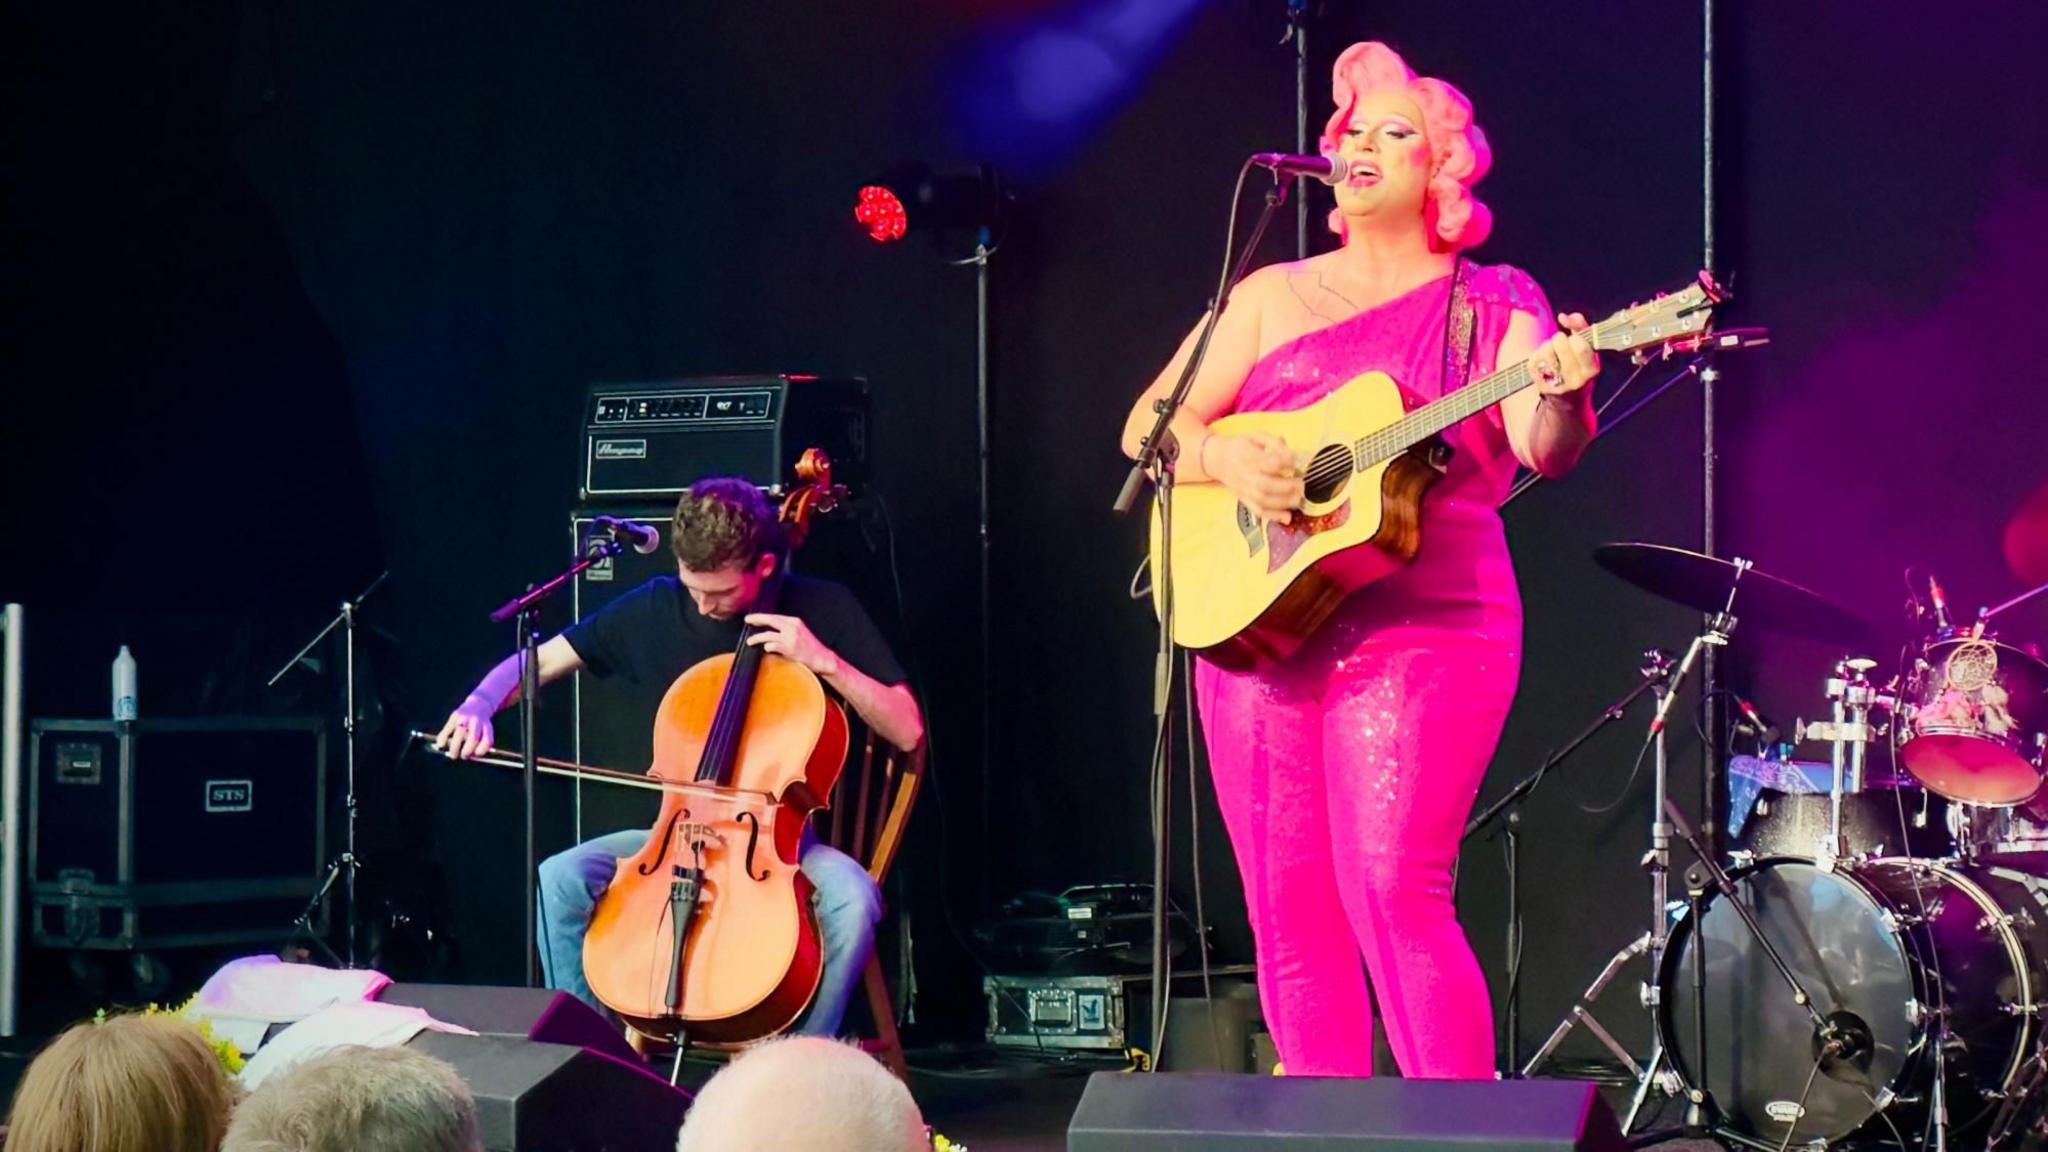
x=803, y=1092
x=359, y=1100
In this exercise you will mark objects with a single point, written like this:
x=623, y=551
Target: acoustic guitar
x=1248, y=592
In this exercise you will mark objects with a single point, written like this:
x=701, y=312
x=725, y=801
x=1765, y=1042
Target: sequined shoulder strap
x=1458, y=330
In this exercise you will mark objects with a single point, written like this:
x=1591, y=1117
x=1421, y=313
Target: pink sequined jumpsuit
x=1346, y=772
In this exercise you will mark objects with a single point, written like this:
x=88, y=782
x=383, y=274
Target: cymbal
x=1702, y=582
x=2026, y=538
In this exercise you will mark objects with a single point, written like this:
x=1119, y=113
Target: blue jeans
x=846, y=900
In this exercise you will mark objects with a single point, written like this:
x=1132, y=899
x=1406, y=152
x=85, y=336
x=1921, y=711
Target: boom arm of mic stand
x=1727, y=888
x=1158, y=444
x=1653, y=674
x=339, y=617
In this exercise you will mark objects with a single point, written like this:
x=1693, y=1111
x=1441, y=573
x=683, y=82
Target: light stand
x=524, y=612
x=1154, y=463
x=347, y=864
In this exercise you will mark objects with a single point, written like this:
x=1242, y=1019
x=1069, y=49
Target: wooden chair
x=871, y=809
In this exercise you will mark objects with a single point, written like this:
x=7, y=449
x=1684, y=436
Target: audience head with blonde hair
x=803, y=1092
x=359, y=1100
x=129, y=1084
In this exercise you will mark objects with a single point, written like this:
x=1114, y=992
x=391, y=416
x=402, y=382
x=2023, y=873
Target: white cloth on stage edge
x=247, y=996
x=366, y=1024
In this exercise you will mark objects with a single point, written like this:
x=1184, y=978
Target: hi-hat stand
x=346, y=865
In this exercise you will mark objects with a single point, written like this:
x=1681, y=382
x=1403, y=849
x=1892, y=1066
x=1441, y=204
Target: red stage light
x=881, y=213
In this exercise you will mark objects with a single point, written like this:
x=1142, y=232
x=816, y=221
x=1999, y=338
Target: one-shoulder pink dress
x=1345, y=773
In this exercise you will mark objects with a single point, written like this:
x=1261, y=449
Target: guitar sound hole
x=1327, y=474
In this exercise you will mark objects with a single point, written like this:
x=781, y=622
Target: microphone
x=1329, y=168
x=643, y=538
x=1940, y=602
x=1726, y=340
x=1765, y=731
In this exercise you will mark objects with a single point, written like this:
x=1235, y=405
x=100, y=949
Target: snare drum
x=1971, y=713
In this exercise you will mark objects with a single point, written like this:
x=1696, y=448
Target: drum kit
x=1871, y=968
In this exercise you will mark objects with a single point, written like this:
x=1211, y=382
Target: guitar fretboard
x=1388, y=442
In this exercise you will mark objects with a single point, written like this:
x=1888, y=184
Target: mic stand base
x=302, y=926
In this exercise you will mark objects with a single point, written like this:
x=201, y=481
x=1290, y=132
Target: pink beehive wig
x=1458, y=148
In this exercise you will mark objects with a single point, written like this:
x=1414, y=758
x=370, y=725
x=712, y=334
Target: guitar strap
x=1458, y=331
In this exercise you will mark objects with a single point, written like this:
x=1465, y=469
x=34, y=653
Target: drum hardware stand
x=1847, y=729
x=1699, y=1107
x=346, y=865
x=1838, y=1035
x=1655, y=668
x=1657, y=861
x=1842, y=1035
x=1985, y=614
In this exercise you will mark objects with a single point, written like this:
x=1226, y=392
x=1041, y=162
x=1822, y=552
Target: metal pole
x=10, y=813
x=348, y=615
x=981, y=363
x=1297, y=15
x=1711, y=788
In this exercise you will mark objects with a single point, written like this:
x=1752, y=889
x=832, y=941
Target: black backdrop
x=297, y=292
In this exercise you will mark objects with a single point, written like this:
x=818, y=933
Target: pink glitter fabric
x=1346, y=772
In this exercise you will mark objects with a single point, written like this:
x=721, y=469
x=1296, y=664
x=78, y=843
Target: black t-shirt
x=654, y=633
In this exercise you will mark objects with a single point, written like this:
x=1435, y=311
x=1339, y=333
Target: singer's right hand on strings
x=468, y=731
x=1258, y=469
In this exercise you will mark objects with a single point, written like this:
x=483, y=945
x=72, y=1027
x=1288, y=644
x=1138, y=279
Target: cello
x=707, y=932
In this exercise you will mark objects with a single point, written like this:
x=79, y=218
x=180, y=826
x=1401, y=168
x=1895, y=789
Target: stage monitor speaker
x=516, y=1013
x=1212, y=1112
x=533, y=1097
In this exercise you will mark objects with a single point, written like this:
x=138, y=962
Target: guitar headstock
x=1661, y=320
x=813, y=493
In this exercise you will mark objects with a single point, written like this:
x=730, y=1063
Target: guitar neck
x=1388, y=442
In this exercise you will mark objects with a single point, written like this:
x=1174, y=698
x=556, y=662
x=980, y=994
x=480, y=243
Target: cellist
x=727, y=541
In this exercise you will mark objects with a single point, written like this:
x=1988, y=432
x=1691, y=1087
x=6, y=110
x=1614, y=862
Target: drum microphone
x=1940, y=602
x=642, y=538
x=1765, y=731
x=1329, y=168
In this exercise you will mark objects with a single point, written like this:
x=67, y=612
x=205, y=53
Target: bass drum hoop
x=1915, y=945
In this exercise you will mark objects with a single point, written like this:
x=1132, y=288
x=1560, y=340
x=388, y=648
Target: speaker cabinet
x=533, y=1097
x=646, y=441
x=172, y=832
x=1210, y=1112
x=515, y=1013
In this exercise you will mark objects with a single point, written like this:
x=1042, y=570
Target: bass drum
x=1882, y=947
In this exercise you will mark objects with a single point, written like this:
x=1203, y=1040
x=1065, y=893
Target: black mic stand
x=524, y=611
x=347, y=864
x=1154, y=463
x=1656, y=667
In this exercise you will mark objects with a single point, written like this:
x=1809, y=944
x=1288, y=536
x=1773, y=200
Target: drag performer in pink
x=1346, y=771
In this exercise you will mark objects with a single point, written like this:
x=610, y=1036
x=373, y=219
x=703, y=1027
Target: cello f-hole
x=653, y=864
x=753, y=820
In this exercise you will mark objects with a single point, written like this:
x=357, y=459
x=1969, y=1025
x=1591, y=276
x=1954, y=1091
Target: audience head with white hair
x=130, y=1084
x=359, y=1100
x=803, y=1092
